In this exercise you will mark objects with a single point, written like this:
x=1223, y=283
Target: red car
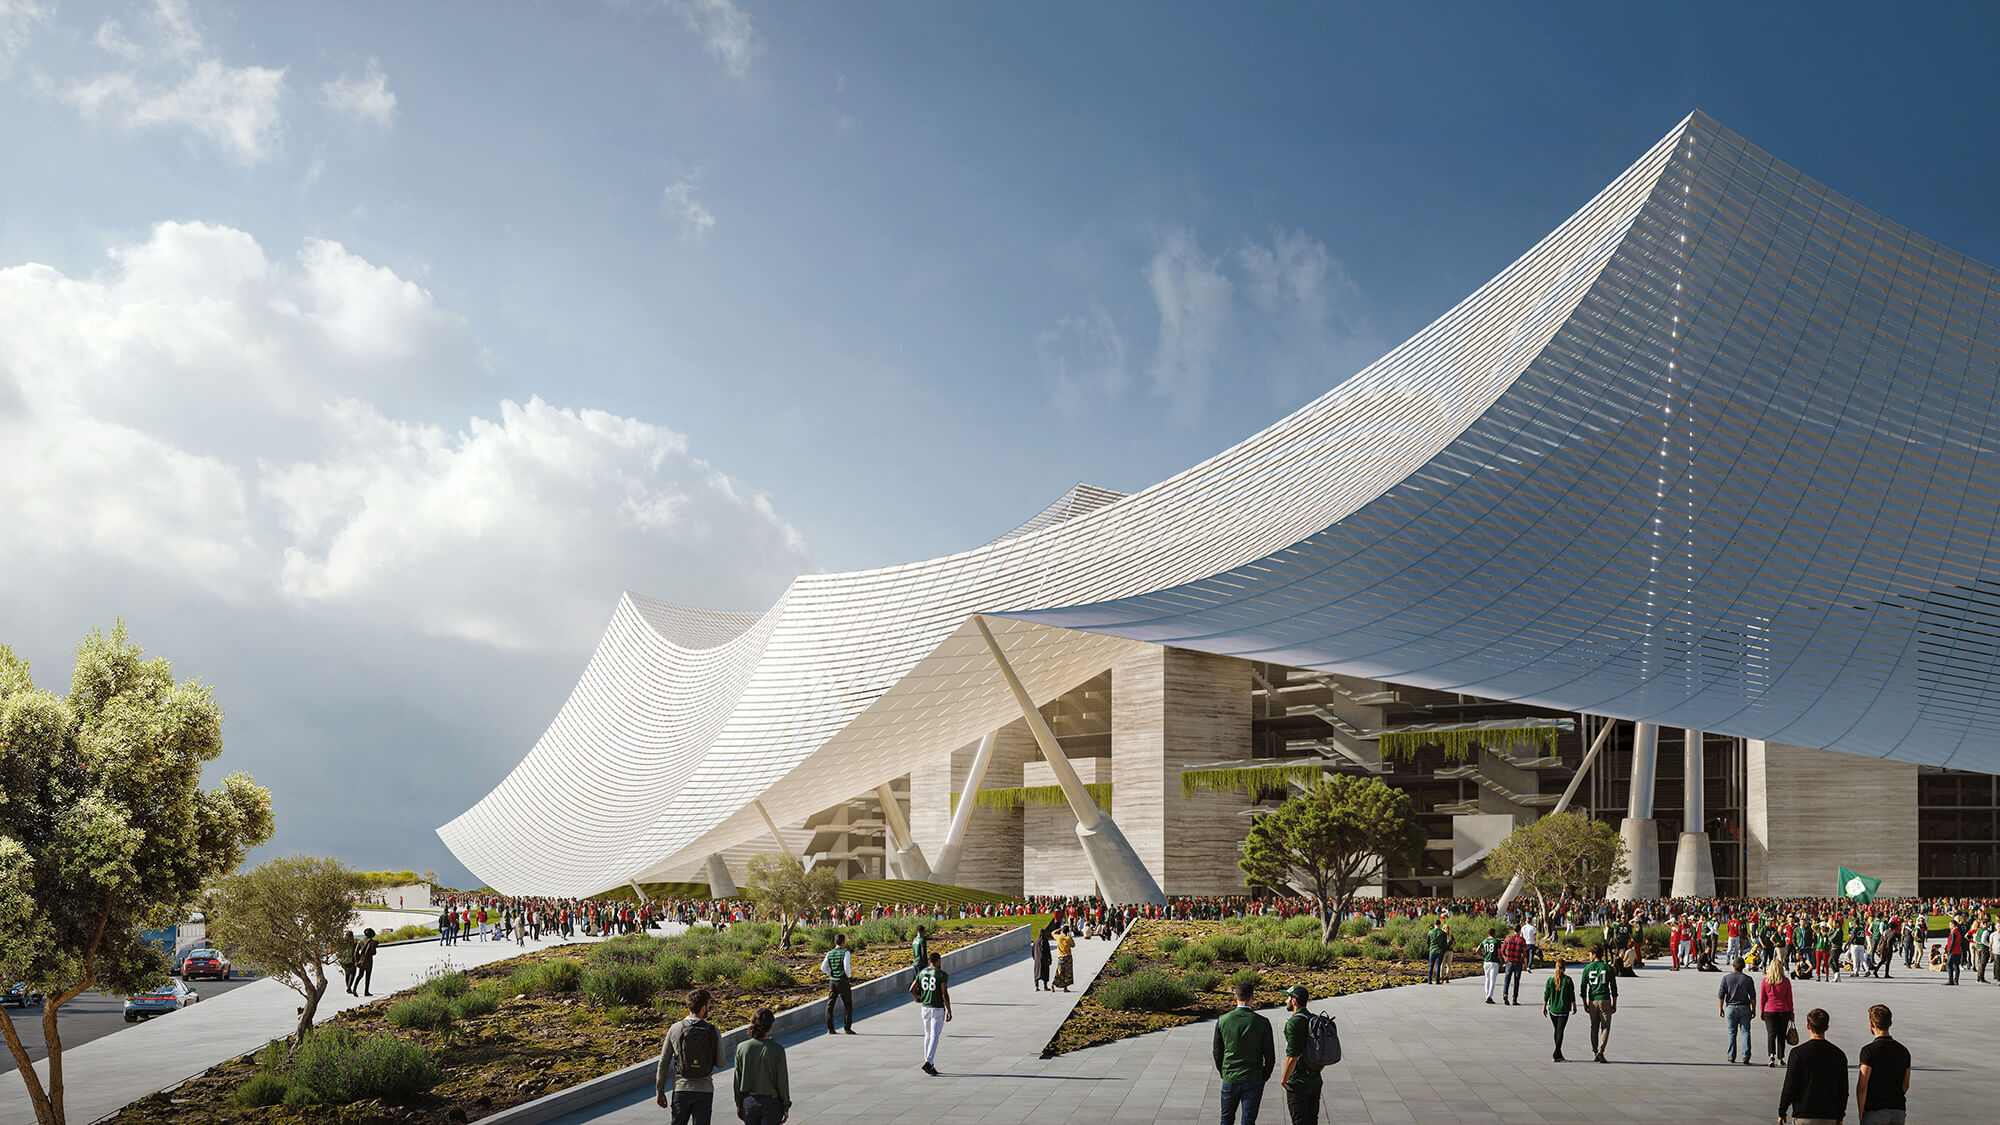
x=206, y=963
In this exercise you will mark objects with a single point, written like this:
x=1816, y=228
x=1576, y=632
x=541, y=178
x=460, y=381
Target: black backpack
x=700, y=1049
x=1322, y=1041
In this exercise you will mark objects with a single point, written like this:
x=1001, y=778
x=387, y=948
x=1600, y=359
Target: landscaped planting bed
x=471, y=1042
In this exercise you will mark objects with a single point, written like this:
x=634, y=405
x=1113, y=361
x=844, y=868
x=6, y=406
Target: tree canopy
x=782, y=884
x=105, y=830
x=1341, y=833
x=1561, y=855
x=286, y=916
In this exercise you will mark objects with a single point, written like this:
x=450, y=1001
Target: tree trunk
x=313, y=992
x=43, y=1113
x=50, y=1006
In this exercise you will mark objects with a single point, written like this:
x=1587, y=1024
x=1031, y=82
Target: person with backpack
x=761, y=1083
x=688, y=1054
x=1558, y=1001
x=348, y=946
x=1244, y=1056
x=838, y=965
x=1600, y=999
x=1312, y=1043
x=931, y=990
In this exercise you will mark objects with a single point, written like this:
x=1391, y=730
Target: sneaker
x=1600, y=1056
x=1746, y=1060
x=1489, y=999
x=930, y=1070
x=1559, y=1057
x=850, y=1031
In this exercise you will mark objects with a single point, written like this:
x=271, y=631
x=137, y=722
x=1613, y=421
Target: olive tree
x=1562, y=854
x=782, y=883
x=105, y=830
x=286, y=917
x=1340, y=834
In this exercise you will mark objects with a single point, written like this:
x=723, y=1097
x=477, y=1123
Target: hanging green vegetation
x=1037, y=796
x=1460, y=744
x=1251, y=781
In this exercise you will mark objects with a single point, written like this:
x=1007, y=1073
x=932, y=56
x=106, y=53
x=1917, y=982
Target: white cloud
x=1084, y=358
x=174, y=79
x=696, y=220
x=365, y=97
x=1193, y=299
x=17, y=24
x=242, y=426
x=727, y=31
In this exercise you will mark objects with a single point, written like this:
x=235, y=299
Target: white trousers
x=933, y=1032
x=1492, y=977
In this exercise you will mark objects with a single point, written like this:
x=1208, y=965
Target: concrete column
x=946, y=868
x=1172, y=709
x=904, y=857
x=783, y=847
x=1694, y=864
x=1641, y=835
x=1121, y=878
x=720, y=883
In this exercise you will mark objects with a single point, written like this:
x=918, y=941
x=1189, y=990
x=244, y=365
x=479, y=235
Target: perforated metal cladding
x=1750, y=486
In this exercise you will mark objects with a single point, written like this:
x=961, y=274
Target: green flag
x=1860, y=888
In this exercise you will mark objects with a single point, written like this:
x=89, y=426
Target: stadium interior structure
x=1715, y=463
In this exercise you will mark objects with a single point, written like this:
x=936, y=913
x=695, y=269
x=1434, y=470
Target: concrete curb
x=548, y=1107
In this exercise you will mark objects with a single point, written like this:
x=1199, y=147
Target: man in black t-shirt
x=1881, y=1091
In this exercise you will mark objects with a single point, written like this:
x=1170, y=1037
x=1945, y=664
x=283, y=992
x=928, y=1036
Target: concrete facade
x=1052, y=860
x=1812, y=812
x=990, y=853
x=1172, y=709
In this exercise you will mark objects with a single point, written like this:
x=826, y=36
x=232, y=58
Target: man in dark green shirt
x=1600, y=999
x=1558, y=1001
x=837, y=966
x=1436, y=943
x=1301, y=1079
x=1244, y=1056
x=920, y=948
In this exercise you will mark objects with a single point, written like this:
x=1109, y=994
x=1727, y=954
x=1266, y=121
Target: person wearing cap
x=1301, y=1079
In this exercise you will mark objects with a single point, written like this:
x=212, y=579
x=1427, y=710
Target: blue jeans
x=1434, y=971
x=1248, y=1095
x=1952, y=961
x=759, y=1109
x=691, y=1107
x=1510, y=985
x=1739, y=1016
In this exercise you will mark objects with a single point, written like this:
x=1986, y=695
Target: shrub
x=1172, y=944
x=1202, y=980
x=675, y=971
x=1269, y=953
x=1355, y=927
x=272, y=1057
x=577, y=1017
x=1251, y=977
x=1229, y=947
x=1195, y=956
x=767, y=976
x=1305, y=925
x=336, y=1065
x=632, y=949
x=621, y=1016
x=884, y=931
x=562, y=974
x=718, y=968
x=426, y=1011
x=620, y=984
x=262, y=1089
x=300, y=1096
x=448, y=985
x=1573, y=940
x=1344, y=949
x=1149, y=990
x=1309, y=953
x=1417, y=947
x=1379, y=948
x=478, y=1002
x=1124, y=964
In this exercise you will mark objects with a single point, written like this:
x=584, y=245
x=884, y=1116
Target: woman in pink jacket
x=1774, y=1000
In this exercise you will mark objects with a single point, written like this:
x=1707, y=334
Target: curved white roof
x=1719, y=452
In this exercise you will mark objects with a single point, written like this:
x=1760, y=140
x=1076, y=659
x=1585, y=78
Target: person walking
x=1245, y=1056
x=364, y=963
x=348, y=948
x=1735, y=999
x=1301, y=1080
x=1558, y=1002
x=1065, y=960
x=688, y=1056
x=1774, y=1003
x=1530, y=934
x=1882, y=1091
x=762, y=1083
x=1513, y=957
x=1815, y=1090
x=920, y=948
x=1041, y=953
x=1600, y=999
x=1437, y=943
x=930, y=990
x=1957, y=942
x=1489, y=959
x=838, y=966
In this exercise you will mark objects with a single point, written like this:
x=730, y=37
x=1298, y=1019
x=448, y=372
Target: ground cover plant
x=470, y=1042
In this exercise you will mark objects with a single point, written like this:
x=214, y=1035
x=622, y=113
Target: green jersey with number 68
x=931, y=983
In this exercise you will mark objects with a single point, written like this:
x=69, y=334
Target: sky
x=358, y=355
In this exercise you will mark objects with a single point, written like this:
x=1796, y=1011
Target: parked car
x=206, y=963
x=175, y=996
x=20, y=996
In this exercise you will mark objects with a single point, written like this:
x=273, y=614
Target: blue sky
x=359, y=354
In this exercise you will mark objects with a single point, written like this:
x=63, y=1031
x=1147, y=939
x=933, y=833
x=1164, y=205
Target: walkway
x=105, y=1074
x=1417, y=1055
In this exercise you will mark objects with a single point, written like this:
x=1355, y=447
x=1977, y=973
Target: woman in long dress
x=1065, y=960
x=1040, y=954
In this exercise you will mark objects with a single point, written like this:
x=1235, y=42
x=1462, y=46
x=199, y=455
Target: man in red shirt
x=1514, y=955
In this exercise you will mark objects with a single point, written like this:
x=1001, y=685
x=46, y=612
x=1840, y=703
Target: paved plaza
x=1419, y=1055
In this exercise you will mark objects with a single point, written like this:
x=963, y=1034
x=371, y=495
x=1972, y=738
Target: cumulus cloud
x=172, y=78
x=1083, y=358
x=240, y=425
x=695, y=219
x=17, y=24
x=364, y=97
x=726, y=30
x=1193, y=299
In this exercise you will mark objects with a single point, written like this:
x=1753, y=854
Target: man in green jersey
x=920, y=948
x=839, y=984
x=929, y=990
x=1436, y=942
x=1244, y=1056
x=1301, y=1079
x=1600, y=999
x=1489, y=956
x=1558, y=1001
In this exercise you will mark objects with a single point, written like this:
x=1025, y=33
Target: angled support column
x=1694, y=864
x=640, y=893
x=945, y=870
x=783, y=847
x=906, y=859
x=1596, y=744
x=720, y=883
x=1121, y=878
x=1640, y=831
